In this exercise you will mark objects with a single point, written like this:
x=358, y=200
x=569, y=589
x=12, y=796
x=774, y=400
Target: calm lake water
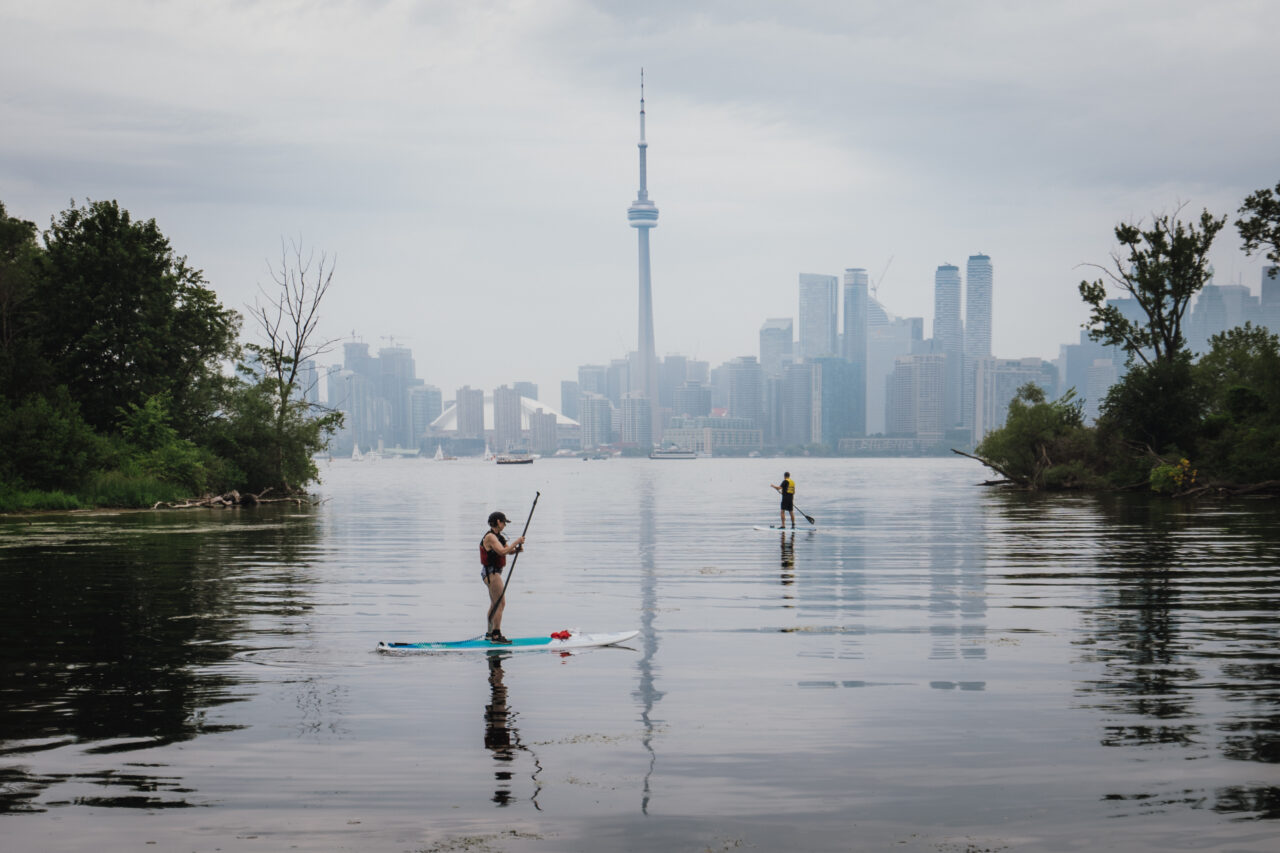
x=936, y=666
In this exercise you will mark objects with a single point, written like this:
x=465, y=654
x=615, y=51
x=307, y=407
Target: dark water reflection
x=931, y=666
x=111, y=627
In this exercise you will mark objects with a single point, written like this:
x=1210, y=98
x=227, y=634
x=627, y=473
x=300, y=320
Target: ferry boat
x=514, y=459
x=673, y=453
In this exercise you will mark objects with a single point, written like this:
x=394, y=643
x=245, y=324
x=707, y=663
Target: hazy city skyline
x=468, y=163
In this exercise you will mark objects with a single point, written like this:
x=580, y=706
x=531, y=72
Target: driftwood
x=1009, y=479
x=232, y=499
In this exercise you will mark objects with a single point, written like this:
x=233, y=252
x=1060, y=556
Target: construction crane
x=875, y=285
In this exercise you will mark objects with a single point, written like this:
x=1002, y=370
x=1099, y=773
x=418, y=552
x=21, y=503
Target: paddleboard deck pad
x=559, y=641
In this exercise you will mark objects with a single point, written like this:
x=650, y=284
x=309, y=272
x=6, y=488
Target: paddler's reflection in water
x=501, y=737
x=499, y=734
x=788, y=558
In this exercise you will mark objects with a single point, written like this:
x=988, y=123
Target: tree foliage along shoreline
x=1172, y=423
x=115, y=380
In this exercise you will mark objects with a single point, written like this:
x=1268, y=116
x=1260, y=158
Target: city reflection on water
x=1108, y=660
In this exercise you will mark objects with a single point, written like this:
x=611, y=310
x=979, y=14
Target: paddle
x=807, y=517
x=512, y=570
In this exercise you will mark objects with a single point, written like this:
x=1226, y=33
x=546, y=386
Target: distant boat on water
x=514, y=459
x=440, y=457
x=673, y=453
x=356, y=455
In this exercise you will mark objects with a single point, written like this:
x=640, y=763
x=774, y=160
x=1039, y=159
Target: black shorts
x=786, y=503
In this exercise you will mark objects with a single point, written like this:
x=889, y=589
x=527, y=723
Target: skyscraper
x=855, y=315
x=643, y=216
x=948, y=341
x=818, y=302
x=775, y=345
x=977, y=307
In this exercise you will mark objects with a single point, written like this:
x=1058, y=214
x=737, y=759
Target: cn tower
x=643, y=216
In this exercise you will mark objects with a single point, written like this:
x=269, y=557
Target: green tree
x=1153, y=412
x=47, y=445
x=1240, y=380
x=124, y=319
x=1162, y=267
x=1042, y=445
x=1259, y=225
x=21, y=370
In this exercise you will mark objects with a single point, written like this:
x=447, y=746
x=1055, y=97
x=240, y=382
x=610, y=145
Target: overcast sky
x=469, y=163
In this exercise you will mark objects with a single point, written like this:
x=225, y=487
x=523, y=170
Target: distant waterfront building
x=914, y=400
x=637, y=420
x=948, y=341
x=799, y=405
x=593, y=379
x=1217, y=309
x=469, y=403
x=708, y=435
x=886, y=341
x=1270, y=299
x=426, y=403
x=596, y=420
x=544, y=436
x=1102, y=374
x=395, y=377
x=744, y=382
x=818, y=318
x=526, y=389
x=506, y=419
x=569, y=393
x=776, y=340
x=673, y=373
x=997, y=383
x=977, y=306
x=692, y=399
x=840, y=405
x=619, y=380
x=309, y=381
x=856, y=316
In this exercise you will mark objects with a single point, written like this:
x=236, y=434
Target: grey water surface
x=934, y=666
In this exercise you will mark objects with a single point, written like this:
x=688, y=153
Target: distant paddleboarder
x=787, y=488
x=493, y=559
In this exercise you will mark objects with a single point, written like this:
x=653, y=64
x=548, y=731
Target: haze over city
x=470, y=164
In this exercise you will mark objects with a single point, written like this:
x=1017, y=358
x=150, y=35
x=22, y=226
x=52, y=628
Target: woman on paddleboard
x=493, y=559
x=788, y=490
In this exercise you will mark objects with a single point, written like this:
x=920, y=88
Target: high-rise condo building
x=948, y=341
x=506, y=419
x=818, y=302
x=776, y=336
x=745, y=386
x=596, y=420
x=977, y=307
x=470, y=414
x=643, y=216
x=855, y=315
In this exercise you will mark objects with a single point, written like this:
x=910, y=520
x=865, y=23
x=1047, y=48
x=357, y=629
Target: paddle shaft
x=511, y=571
x=807, y=517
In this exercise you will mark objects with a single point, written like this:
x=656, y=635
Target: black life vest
x=492, y=559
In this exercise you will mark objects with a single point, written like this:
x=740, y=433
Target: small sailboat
x=356, y=455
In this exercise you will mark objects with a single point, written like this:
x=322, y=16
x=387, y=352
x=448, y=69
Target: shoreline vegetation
x=1177, y=423
x=124, y=383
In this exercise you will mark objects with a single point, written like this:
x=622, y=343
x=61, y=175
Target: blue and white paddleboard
x=575, y=640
